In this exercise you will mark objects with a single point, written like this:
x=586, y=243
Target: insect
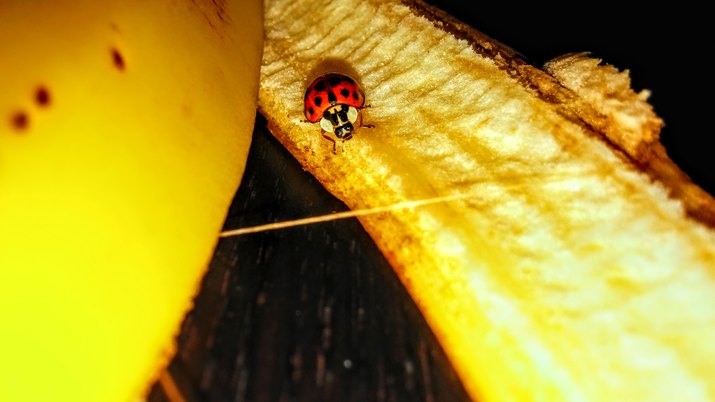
x=335, y=100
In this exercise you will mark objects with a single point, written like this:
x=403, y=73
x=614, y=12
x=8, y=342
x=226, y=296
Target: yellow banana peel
x=124, y=130
x=565, y=263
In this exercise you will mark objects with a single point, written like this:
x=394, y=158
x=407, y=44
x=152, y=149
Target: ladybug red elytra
x=335, y=100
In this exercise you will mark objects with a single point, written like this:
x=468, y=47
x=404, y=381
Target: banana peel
x=124, y=131
x=572, y=261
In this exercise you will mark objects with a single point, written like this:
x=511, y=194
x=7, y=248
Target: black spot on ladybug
x=344, y=92
x=331, y=97
x=42, y=96
x=311, y=111
x=118, y=60
x=320, y=86
x=307, y=94
x=355, y=95
x=334, y=81
x=318, y=101
x=20, y=121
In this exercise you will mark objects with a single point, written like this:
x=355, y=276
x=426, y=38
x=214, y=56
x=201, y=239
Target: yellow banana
x=124, y=130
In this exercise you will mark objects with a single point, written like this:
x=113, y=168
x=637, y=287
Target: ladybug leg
x=341, y=147
x=327, y=137
x=362, y=122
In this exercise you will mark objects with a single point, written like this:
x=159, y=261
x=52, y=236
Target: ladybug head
x=340, y=120
x=345, y=131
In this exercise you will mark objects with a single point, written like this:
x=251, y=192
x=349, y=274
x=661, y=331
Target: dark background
x=315, y=313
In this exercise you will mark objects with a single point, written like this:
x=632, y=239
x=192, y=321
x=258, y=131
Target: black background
x=315, y=313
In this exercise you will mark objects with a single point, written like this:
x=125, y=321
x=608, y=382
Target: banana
x=566, y=262
x=124, y=131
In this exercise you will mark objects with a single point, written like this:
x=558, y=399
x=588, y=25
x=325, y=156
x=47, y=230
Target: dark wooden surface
x=314, y=313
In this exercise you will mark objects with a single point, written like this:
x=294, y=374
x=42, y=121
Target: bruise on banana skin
x=214, y=12
x=20, y=121
x=118, y=59
x=42, y=96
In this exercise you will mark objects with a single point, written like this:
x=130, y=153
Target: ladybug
x=335, y=100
